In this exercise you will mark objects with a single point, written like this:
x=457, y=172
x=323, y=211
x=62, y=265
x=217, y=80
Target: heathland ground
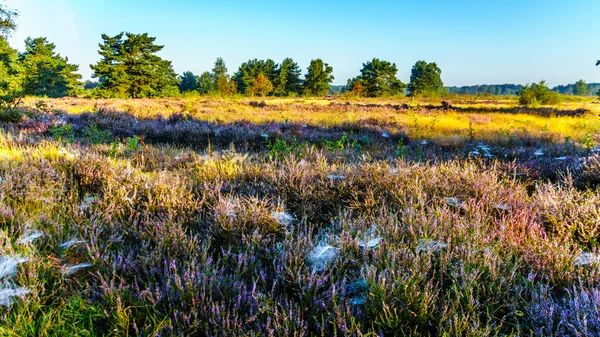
x=206, y=216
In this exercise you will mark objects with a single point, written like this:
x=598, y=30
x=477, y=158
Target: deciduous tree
x=11, y=70
x=261, y=85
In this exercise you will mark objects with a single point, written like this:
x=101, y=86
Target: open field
x=300, y=217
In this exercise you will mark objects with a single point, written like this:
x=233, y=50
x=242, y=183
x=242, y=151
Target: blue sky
x=473, y=42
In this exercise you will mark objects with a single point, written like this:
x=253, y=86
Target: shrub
x=63, y=133
x=538, y=93
x=10, y=111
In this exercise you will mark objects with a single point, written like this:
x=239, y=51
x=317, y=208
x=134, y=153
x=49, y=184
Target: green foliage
x=63, y=133
x=10, y=108
x=493, y=89
x=249, y=71
x=581, y=88
x=133, y=143
x=7, y=21
x=279, y=149
x=318, y=78
x=261, y=86
x=95, y=136
x=344, y=143
x=11, y=70
x=538, y=93
x=188, y=82
x=378, y=78
x=88, y=84
x=223, y=84
x=401, y=148
x=205, y=83
x=588, y=142
x=425, y=80
x=130, y=68
x=287, y=81
x=42, y=106
x=47, y=73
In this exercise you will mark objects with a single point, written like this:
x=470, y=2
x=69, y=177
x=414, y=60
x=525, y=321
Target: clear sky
x=473, y=41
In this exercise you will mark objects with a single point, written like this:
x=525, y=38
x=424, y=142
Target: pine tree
x=318, y=78
x=249, y=71
x=7, y=21
x=378, y=78
x=220, y=76
x=425, y=79
x=205, y=84
x=188, y=82
x=130, y=67
x=287, y=79
x=46, y=73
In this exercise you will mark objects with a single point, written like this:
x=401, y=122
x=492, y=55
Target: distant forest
x=515, y=89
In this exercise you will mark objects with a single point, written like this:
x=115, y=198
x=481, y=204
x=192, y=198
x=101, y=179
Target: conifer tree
x=249, y=71
x=130, y=67
x=378, y=78
x=46, y=73
x=318, y=78
x=205, y=83
x=188, y=82
x=425, y=79
x=287, y=79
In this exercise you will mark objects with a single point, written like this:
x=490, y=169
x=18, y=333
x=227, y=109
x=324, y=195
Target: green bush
x=538, y=93
x=63, y=133
x=10, y=108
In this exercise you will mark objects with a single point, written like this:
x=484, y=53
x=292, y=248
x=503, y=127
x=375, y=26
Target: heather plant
x=281, y=235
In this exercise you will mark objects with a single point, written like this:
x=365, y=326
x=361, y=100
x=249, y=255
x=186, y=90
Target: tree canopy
x=287, y=79
x=248, y=72
x=7, y=21
x=205, y=83
x=261, y=85
x=538, y=93
x=188, y=82
x=47, y=73
x=130, y=67
x=581, y=88
x=377, y=78
x=425, y=79
x=11, y=70
x=318, y=78
x=222, y=83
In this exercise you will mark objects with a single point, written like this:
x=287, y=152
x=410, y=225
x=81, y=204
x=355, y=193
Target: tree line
x=579, y=88
x=129, y=67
